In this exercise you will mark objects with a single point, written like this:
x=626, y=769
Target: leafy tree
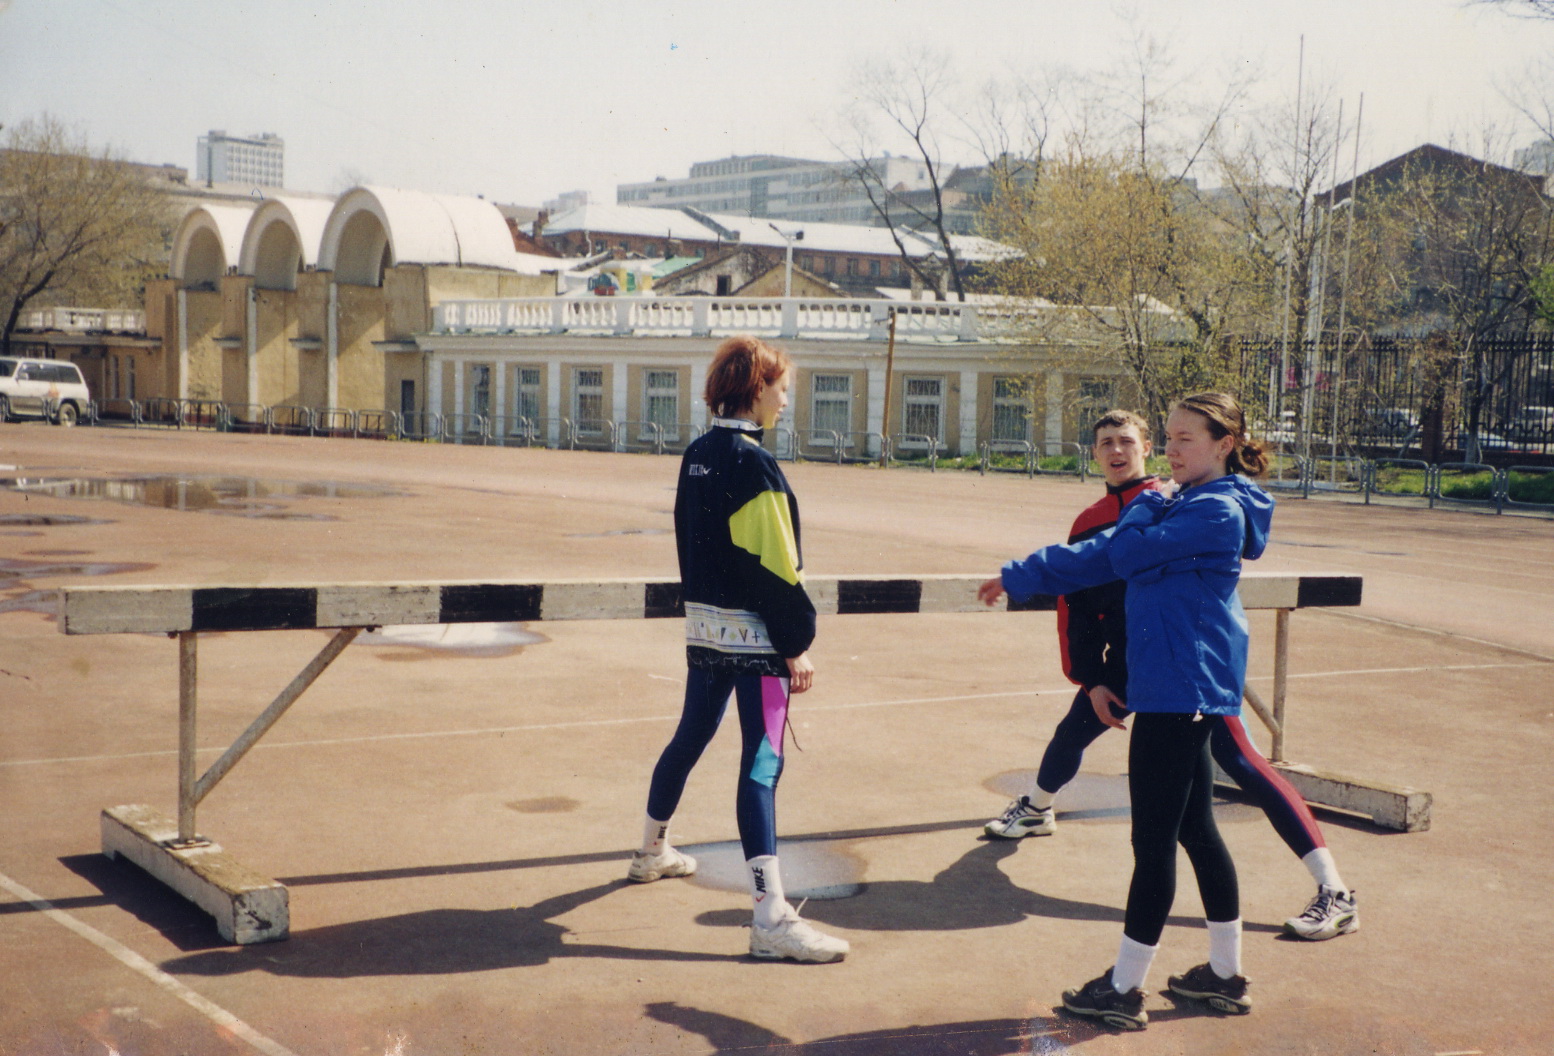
x=74, y=226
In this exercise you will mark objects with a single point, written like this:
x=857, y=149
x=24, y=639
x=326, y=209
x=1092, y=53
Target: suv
x=51, y=389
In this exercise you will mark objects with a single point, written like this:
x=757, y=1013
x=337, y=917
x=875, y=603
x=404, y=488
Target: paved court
x=453, y=816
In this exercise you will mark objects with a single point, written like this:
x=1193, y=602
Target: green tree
x=74, y=226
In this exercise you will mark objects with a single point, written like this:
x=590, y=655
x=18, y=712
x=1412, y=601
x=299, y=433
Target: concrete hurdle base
x=248, y=907
x=1390, y=806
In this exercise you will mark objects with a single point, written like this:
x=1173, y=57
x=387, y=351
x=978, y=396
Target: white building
x=258, y=159
x=777, y=188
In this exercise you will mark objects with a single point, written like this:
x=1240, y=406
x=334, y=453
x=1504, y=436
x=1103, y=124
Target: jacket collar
x=743, y=425
x=1129, y=486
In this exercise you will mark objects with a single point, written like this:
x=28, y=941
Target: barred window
x=526, y=401
x=925, y=407
x=1011, y=410
x=588, y=401
x=480, y=389
x=661, y=394
x=832, y=406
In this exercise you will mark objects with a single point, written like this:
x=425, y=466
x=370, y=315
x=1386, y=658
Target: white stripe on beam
x=126, y=610
x=593, y=601
x=377, y=605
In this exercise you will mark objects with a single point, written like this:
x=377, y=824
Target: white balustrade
x=858, y=318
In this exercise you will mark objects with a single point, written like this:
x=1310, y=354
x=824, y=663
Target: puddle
x=43, y=520
x=620, y=531
x=547, y=805
x=16, y=571
x=464, y=639
x=810, y=869
x=234, y=496
x=41, y=601
x=12, y=568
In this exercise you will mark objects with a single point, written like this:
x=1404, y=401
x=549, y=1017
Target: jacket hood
x=1256, y=505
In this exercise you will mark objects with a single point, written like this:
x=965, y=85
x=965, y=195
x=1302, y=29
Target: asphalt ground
x=453, y=817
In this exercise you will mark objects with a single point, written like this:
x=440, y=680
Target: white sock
x=1133, y=961
x=766, y=890
x=1040, y=798
x=655, y=836
x=1319, y=863
x=1225, y=947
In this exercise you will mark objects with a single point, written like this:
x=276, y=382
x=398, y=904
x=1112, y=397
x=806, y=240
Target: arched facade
x=207, y=243
x=312, y=302
x=282, y=239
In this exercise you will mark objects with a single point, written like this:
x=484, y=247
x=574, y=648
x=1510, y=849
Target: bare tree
x=911, y=99
x=73, y=226
x=1521, y=8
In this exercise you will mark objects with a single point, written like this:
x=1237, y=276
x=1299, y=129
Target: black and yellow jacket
x=741, y=570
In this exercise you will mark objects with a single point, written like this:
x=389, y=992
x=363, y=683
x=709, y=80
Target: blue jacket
x=1181, y=560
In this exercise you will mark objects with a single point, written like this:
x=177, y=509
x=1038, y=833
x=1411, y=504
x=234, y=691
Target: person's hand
x=801, y=673
x=1101, y=700
x=989, y=592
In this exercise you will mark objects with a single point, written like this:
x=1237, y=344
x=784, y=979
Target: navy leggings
x=1231, y=748
x=762, y=701
x=1171, y=786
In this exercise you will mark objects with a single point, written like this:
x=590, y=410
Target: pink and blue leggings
x=762, y=702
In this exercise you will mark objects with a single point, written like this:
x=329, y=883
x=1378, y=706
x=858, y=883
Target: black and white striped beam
x=170, y=610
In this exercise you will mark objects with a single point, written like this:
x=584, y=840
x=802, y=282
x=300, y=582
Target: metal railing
x=1400, y=480
x=420, y=425
x=289, y=419
x=466, y=428
x=592, y=434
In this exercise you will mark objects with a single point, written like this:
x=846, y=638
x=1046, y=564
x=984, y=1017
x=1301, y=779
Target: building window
x=129, y=378
x=874, y=269
x=924, y=407
x=1011, y=410
x=112, y=368
x=526, y=396
x=1095, y=399
x=588, y=401
x=832, y=406
x=661, y=399
x=480, y=389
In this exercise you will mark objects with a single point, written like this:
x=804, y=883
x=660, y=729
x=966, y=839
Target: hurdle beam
x=246, y=905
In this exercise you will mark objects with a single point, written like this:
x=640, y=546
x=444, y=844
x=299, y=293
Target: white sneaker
x=1022, y=819
x=797, y=940
x=645, y=868
x=1330, y=914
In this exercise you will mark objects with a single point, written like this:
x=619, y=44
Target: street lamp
x=790, y=236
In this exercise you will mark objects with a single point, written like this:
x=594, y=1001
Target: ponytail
x=1226, y=418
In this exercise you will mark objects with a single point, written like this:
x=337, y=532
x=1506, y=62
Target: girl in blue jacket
x=1180, y=556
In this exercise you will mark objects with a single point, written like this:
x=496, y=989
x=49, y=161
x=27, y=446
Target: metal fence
x=1486, y=401
x=1371, y=479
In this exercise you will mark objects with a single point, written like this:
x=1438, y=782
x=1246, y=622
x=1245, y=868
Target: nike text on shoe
x=1098, y=1000
x=645, y=868
x=794, y=939
x=1202, y=983
x=1330, y=914
x=1021, y=819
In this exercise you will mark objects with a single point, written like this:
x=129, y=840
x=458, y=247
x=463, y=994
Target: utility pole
x=890, y=368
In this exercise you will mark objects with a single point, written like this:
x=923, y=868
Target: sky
x=520, y=100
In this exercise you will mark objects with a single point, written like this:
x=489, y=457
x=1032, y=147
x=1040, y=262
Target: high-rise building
x=258, y=159
x=779, y=188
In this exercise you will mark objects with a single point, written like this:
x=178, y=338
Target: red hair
x=740, y=366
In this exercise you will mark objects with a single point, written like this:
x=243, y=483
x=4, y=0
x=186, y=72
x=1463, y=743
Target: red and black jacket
x=1092, y=629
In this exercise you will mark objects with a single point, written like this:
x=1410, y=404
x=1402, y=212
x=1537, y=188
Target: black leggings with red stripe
x=1171, y=785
